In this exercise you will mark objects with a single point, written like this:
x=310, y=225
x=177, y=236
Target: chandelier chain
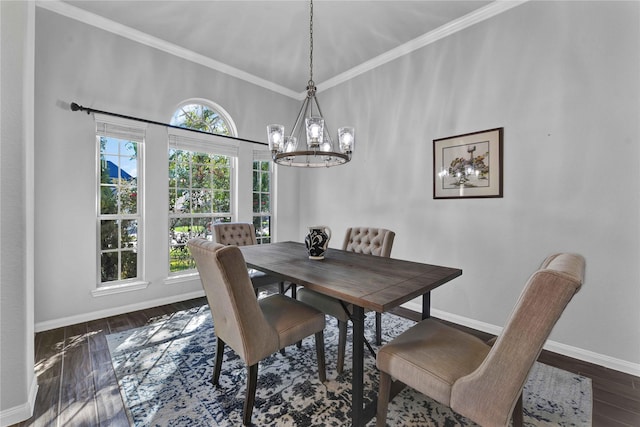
x=311, y=83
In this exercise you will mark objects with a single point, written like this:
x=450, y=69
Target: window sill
x=182, y=278
x=120, y=288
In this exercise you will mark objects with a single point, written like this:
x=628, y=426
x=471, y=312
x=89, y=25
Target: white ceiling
x=267, y=42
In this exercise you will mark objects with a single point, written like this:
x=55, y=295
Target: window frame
x=123, y=130
x=263, y=156
x=186, y=140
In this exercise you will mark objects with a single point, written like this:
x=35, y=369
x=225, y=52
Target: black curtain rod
x=76, y=107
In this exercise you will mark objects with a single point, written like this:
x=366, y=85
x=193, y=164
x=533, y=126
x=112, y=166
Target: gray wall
x=16, y=213
x=95, y=68
x=563, y=79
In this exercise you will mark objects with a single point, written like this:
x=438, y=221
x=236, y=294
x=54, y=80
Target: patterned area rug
x=164, y=371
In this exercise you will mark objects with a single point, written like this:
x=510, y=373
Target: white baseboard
x=114, y=311
x=21, y=412
x=556, y=347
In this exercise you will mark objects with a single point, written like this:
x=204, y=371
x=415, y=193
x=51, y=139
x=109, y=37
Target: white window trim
x=119, y=288
x=133, y=130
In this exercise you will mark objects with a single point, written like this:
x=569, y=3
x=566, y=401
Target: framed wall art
x=468, y=166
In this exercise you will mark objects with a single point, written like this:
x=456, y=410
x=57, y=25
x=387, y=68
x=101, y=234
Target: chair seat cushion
x=291, y=319
x=431, y=356
x=260, y=279
x=324, y=303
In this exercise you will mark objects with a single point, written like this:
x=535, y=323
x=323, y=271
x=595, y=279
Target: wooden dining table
x=365, y=281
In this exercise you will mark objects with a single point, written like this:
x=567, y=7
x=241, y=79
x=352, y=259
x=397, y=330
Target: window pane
x=201, y=227
x=182, y=201
x=256, y=202
x=108, y=234
x=129, y=233
x=222, y=201
x=263, y=228
x=109, y=267
x=109, y=145
x=265, y=182
x=256, y=179
x=105, y=178
x=179, y=230
x=129, y=199
x=180, y=259
x=172, y=175
x=201, y=201
x=201, y=158
x=202, y=176
x=129, y=265
x=108, y=200
x=172, y=201
x=111, y=167
x=265, y=206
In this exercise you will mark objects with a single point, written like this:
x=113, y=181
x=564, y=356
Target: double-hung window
x=120, y=148
x=201, y=191
x=262, y=191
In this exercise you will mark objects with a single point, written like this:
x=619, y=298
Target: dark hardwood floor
x=78, y=387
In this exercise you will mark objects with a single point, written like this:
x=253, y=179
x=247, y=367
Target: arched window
x=201, y=178
x=196, y=114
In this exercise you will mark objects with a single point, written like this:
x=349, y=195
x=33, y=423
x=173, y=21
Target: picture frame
x=468, y=165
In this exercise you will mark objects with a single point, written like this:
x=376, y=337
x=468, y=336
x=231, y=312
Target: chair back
x=235, y=233
x=503, y=373
x=368, y=240
x=237, y=317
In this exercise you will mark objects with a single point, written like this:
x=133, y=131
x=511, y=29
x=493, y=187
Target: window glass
x=199, y=196
x=119, y=218
x=200, y=181
x=262, y=199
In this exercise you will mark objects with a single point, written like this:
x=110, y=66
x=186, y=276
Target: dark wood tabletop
x=366, y=281
x=374, y=283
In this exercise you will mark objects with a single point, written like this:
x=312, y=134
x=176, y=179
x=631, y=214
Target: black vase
x=317, y=241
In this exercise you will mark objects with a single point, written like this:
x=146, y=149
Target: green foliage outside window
x=262, y=200
x=118, y=210
x=199, y=186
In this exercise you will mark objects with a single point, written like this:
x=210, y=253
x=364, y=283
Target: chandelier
x=319, y=150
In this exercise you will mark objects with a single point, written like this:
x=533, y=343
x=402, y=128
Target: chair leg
x=250, y=398
x=322, y=370
x=383, y=399
x=342, y=344
x=518, y=413
x=218, y=362
x=378, y=328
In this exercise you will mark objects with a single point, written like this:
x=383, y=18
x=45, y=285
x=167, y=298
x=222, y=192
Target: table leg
x=357, y=381
x=426, y=305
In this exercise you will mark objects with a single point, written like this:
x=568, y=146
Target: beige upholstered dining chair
x=253, y=328
x=243, y=234
x=481, y=382
x=364, y=240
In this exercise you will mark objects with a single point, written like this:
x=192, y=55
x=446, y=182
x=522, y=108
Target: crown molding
x=492, y=9
x=97, y=21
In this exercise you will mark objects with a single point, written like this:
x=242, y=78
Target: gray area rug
x=164, y=371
